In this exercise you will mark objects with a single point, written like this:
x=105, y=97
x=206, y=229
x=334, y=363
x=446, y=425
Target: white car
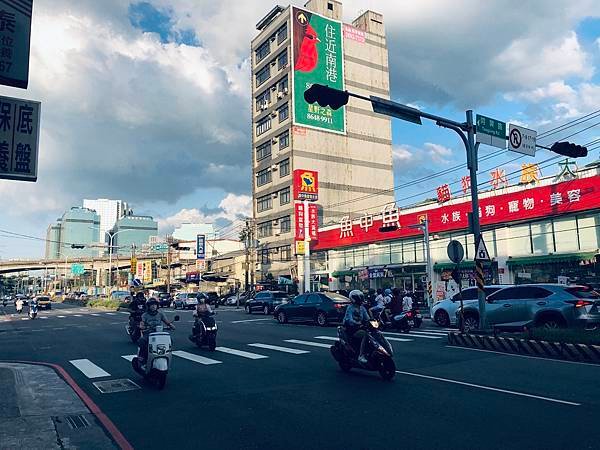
x=443, y=313
x=185, y=300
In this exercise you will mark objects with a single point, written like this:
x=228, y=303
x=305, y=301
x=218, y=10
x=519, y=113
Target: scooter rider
x=407, y=302
x=19, y=305
x=150, y=320
x=203, y=309
x=356, y=316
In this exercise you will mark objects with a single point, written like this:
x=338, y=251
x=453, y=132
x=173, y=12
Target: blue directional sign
x=200, y=246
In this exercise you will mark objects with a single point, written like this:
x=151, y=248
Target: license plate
x=419, y=316
x=411, y=323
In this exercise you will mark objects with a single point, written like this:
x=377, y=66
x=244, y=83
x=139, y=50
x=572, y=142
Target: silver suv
x=546, y=305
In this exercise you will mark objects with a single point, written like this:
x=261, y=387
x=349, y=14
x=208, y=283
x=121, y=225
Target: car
x=232, y=301
x=319, y=307
x=543, y=305
x=119, y=295
x=185, y=300
x=443, y=313
x=266, y=301
x=44, y=302
x=164, y=299
x=211, y=297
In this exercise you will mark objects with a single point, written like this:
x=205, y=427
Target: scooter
x=157, y=364
x=33, y=310
x=417, y=318
x=378, y=352
x=133, y=327
x=402, y=322
x=204, y=332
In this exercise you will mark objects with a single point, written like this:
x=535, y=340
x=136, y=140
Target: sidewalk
x=39, y=410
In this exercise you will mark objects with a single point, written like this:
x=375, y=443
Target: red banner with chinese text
x=313, y=221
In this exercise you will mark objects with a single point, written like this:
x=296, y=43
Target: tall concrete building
x=79, y=226
x=353, y=158
x=109, y=211
x=133, y=230
x=53, y=240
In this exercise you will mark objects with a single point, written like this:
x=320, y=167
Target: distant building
x=79, y=226
x=189, y=231
x=53, y=240
x=109, y=211
x=133, y=230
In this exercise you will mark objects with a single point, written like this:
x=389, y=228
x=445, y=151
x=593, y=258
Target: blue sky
x=152, y=106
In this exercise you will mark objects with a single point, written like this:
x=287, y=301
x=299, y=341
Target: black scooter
x=378, y=352
x=204, y=331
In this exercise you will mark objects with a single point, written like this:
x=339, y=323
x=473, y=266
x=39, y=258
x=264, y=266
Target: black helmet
x=357, y=297
x=140, y=296
x=149, y=304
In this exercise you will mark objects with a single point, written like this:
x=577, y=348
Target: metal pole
x=428, y=288
x=110, y=247
x=472, y=157
x=306, y=248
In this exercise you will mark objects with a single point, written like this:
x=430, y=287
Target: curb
x=108, y=425
x=543, y=349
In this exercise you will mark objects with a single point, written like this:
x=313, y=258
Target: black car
x=211, y=297
x=319, y=307
x=164, y=299
x=266, y=301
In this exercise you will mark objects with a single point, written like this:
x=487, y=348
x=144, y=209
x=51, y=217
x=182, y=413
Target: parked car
x=185, y=300
x=545, y=305
x=44, y=302
x=443, y=312
x=319, y=307
x=266, y=301
x=211, y=297
x=119, y=295
x=164, y=299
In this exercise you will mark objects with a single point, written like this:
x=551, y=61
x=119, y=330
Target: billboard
x=317, y=57
x=15, y=37
x=313, y=221
x=306, y=185
x=200, y=246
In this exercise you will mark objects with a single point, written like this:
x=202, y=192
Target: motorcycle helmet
x=357, y=297
x=152, y=306
x=201, y=300
x=140, y=297
x=388, y=292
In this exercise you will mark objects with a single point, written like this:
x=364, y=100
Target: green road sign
x=490, y=131
x=77, y=269
x=160, y=247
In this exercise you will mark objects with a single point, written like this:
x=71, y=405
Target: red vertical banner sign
x=299, y=217
x=313, y=221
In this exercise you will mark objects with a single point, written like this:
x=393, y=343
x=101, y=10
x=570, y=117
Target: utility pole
x=247, y=243
x=306, y=248
x=168, y=264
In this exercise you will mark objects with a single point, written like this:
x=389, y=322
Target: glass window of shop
x=589, y=231
x=379, y=254
x=439, y=249
x=565, y=235
x=519, y=240
x=420, y=251
x=361, y=256
x=408, y=251
x=396, y=253
x=489, y=237
x=542, y=238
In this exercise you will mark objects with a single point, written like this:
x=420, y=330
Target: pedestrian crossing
x=63, y=314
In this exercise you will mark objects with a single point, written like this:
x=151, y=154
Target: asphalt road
x=441, y=398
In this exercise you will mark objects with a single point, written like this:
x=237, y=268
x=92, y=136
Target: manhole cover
x=112, y=386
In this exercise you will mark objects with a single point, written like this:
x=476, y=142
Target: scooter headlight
x=161, y=349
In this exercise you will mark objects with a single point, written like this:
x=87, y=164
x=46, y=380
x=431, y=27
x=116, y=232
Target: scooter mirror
x=176, y=319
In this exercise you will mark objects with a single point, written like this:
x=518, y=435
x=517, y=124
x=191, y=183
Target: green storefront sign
x=318, y=57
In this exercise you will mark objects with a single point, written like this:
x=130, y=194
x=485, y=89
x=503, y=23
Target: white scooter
x=33, y=310
x=158, y=362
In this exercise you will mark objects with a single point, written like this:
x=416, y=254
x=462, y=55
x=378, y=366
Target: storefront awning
x=343, y=273
x=439, y=267
x=545, y=259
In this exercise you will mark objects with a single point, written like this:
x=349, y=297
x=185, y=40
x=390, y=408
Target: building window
x=263, y=75
x=285, y=224
x=282, y=60
x=264, y=203
x=284, y=140
x=284, y=112
x=265, y=229
x=330, y=6
x=263, y=50
x=263, y=100
x=283, y=85
x=284, y=168
x=286, y=253
x=263, y=125
x=282, y=34
x=263, y=151
x=265, y=257
x=284, y=194
x=263, y=177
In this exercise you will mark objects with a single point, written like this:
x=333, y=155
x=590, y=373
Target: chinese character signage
x=313, y=221
x=15, y=33
x=377, y=273
x=537, y=202
x=318, y=57
x=200, y=246
x=19, y=138
x=354, y=34
x=147, y=268
x=443, y=193
x=306, y=185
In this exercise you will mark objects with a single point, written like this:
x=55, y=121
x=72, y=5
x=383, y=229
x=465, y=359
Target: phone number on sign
x=319, y=118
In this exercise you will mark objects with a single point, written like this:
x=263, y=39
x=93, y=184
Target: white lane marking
x=312, y=344
x=488, y=388
x=92, y=314
x=293, y=351
x=34, y=331
x=196, y=358
x=430, y=333
x=252, y=320
x=395, y=339
x=327, y=338
x=77, y=315
x=413, y=335
x=24, y=318
x=59, y=328
x=241, y=353
x=83, y=310
x=128, y=357
x=122, y=312
x=110, y=314
x=61, y=317
x=66, y=311
x=524, y=356
x=43, y=317
x=89, y=369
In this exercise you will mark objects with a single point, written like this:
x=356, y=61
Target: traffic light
x=78, y=246
x=569, y=149
x=326, y=96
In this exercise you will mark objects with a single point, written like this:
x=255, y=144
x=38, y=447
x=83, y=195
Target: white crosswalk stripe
x=312, y=344
x=77, y=315
x=429, y=333
x=413, y=335
x=327, y=338
x=95, y=315
x=110, y=314
x=293, y=351
x=395, y=339
x=196, y=358
x=43, y=317
x=61, y=317
x=89, y=369
x=241, y=353
x=128, y=357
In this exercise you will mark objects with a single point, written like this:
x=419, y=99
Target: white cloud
x=401, y=153
x=438, y=153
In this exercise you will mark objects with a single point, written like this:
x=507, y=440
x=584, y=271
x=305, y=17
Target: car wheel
x=247, y=309
x=551, y=323
x=266, y=310
x=322, y=319
x=281, y=317
x=442, y=318
x=471, y=323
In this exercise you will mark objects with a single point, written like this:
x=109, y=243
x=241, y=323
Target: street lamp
x=111, y=237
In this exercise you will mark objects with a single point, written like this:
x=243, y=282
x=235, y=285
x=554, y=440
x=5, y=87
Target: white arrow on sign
x=482, y=251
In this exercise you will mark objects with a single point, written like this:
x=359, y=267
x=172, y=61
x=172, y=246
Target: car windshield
x=280, y=295
x=584, y=292
x=337, y=298
x=43, y=299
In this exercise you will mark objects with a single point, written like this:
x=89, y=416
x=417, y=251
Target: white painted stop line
x=312, y=344
x=196, y=358
x=293, y=351
x=241, y=353
x=89, y=369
